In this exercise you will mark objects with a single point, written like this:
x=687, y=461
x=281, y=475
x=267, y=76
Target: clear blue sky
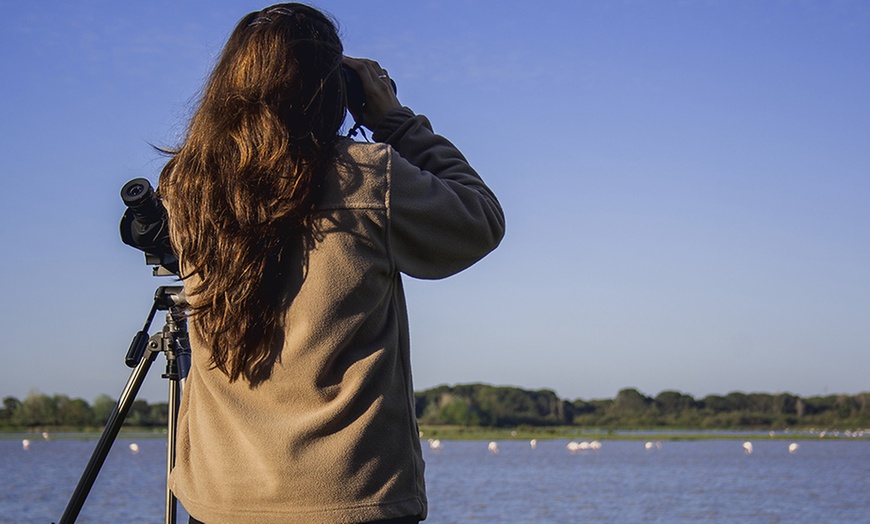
x=685, y=184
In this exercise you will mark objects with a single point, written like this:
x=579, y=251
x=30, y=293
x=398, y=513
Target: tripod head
x=166, y=298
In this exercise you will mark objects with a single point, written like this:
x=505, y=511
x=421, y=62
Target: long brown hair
x=241, y=188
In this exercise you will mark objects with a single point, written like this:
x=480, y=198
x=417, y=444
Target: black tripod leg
x=116, y=420
x=177, y=366
x=171, y=513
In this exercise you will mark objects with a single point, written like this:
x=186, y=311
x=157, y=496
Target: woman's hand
x=379, y=95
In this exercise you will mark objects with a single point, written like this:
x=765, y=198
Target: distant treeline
x=491, y=406
x=482, y=405
x=41, y=411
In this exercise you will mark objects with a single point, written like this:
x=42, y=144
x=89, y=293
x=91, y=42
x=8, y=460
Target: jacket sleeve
x=442, y=217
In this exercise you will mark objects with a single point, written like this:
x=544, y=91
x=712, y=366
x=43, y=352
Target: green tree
x=10, y=406
x=75, y=412
x=862, y=402
x=459, y=411
x=714, y=404
x=158, y=414
x=37, y=409
x=674, y=403
x=784, y=404
x=102, y=407
x=760, y=404
x=139, y=414
x=736, y=401
x=630, y=402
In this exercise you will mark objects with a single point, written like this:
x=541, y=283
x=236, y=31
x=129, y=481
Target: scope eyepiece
x=134, y=190
x=138, y=195
x=144, y=225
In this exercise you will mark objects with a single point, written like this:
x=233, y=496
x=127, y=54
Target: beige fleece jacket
x=331, y=436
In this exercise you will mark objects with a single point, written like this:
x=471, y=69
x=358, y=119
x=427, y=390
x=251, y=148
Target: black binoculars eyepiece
x=356, y=96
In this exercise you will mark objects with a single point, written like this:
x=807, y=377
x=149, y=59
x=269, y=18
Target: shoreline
x=472, y=433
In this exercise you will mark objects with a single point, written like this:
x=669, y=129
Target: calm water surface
x=692, y=481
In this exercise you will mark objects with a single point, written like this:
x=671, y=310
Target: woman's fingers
x=380, y=98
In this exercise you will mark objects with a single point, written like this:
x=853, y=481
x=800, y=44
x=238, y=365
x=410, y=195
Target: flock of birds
x=576, y=447
x=25, y=443
x=792, y=448
x=492, y=447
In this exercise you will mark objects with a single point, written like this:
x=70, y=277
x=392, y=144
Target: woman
x=299, y=405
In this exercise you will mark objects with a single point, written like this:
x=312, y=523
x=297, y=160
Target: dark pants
x=401, y=520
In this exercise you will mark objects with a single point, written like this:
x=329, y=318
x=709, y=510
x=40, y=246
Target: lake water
x=683, y=481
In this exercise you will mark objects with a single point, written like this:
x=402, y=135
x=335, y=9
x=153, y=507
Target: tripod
x=172, y=341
